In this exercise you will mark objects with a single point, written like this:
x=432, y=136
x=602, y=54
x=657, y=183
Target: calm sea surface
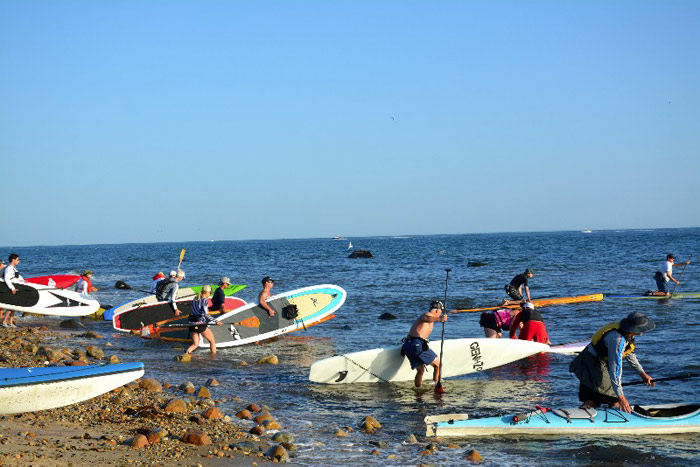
x=404, y=275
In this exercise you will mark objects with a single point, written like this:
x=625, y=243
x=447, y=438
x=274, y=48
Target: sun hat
x=180, y=273
x=637, y=322
x=225, y=280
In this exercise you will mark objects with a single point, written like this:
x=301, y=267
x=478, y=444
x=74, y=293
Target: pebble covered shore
x=144, y=422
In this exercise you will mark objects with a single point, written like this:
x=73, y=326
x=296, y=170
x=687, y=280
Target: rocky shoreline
x=145, y=422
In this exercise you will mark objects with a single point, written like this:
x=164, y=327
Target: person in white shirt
x=665, y=275
x=10, y=275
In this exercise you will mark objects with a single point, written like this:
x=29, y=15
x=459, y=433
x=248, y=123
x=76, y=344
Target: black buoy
x=476, y=264
x=122, y=285
x=387, y=316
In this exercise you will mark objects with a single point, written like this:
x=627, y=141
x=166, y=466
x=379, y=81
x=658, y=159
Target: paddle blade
x=252, y=322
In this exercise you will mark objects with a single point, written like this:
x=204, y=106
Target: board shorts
x=488, y=321
x=198, y=327
x=418, y=352
x=513, y=293
x=661, y=282
x=534, y=331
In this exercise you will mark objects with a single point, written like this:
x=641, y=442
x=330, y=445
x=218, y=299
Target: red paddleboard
x=60, y=281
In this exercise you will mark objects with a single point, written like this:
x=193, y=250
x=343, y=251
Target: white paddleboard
x=45, y=300
x=569, y=348
x=460, y=357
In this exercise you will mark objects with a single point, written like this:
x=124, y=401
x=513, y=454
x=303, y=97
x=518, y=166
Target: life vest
x=599, y=343
x=86, y=279
x=160, y=288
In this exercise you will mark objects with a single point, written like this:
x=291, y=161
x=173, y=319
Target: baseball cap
x=267, y=279
x=437, y=304
x=225, y=280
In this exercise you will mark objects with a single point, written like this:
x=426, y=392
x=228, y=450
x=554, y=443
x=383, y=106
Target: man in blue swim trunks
x=415, y=345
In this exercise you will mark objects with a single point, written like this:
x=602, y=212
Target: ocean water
x=406, y=273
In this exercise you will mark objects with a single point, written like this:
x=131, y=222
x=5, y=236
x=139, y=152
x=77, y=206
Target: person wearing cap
x=267, y=283
x=167, y=289
x=84, y=284
x=533, y=327
x=515, y=289
x=219, y=298
x=415, y=344
x=156, y=279
x=599, y=366
x=665, y=275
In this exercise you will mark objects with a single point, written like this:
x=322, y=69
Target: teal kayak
x=644, y=420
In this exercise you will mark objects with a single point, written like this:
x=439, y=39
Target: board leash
x=368, y=370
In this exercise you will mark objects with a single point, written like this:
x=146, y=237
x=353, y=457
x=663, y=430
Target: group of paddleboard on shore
x=210, y=315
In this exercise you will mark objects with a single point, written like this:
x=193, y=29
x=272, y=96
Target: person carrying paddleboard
x=415, y=344
x=217, y=302
x=533, y=327
x=167, y=289
x=515, y=289
x=200, y=319
x=599, y=366
x=10, y=274
x=665, y=275
x=267, y=283
x=84, y=284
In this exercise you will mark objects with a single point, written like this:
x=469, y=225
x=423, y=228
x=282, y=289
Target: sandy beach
x=107, y=429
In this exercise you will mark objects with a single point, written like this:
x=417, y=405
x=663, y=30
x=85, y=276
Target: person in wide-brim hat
x=599, y=366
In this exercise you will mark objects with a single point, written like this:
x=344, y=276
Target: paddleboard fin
x=342, y=376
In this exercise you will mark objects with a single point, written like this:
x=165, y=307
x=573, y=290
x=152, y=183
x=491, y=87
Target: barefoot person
x=496, y=321
x=166, y=291
x=10, y=274
x=515, y=288
x=599, y=366
x=267, y=283
x=415, y=345
x=200, y=319
x=665, y=275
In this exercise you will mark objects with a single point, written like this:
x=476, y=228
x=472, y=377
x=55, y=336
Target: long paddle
x=669, y=378
x=681, y=275
x=438, y=387
x=182, y=255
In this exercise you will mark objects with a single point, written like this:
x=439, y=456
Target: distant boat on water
x=587, y=231
x=338, y=237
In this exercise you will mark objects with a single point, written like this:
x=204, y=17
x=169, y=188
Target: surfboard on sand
x=294, y=310
x=461, y=357
x=44, y=300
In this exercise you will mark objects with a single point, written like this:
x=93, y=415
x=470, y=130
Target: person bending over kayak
x=533, y=327
x=415, y=345
x=665, y=275
x=496, y=321
x=515, y=289
x=200, y=319
x=156, y=280
x=167, y=289
x=599, y=366
x=267, y=283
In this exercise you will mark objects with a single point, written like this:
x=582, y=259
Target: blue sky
x=125, y=121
